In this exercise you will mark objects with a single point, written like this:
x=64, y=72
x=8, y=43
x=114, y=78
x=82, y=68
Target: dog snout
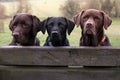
x=54, y=33
x=89, y=25
x=15, y=34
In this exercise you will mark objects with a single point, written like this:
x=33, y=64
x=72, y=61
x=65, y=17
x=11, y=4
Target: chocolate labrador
x=57, y=28
x=24, y=29
x=93, y=22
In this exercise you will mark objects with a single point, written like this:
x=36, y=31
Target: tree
x=24, y=6
x=2, y=14
x=94, y=4
x=117, y=8
x=70, y=8
x=91, y=4
x=107, y=6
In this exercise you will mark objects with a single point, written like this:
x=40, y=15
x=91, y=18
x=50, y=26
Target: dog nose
x=54, y=33
x=89, y=25
x=15, y=34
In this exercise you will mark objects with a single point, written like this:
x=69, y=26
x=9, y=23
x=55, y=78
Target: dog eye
x=51, y=24
x=96, y=18
x=61, y=25
x=24, y=26
x=15, y=24
x=85, y=18
x=14, y=27
x=25, y=23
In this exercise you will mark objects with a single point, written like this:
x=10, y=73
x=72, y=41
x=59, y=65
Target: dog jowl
x=57, y=29
x=93, y=22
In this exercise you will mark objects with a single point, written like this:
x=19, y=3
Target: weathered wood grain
x=60, y=56
x=35, y=73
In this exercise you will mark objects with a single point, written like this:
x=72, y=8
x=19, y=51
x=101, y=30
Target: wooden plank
x=35, y=73
x=60, y=56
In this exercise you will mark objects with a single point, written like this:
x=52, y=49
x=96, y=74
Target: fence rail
x=59, y=63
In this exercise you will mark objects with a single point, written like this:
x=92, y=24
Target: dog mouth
x=89, y=28
x=20, y=38
x=55, y=36
x=16, y=36
x=89, y=32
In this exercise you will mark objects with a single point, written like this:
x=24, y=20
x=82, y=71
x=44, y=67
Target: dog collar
x=103, y=40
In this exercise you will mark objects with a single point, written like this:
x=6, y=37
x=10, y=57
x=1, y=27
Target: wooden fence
x=59, y=63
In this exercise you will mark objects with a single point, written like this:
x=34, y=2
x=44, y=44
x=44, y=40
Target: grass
x=37, y=9
x=112, y=32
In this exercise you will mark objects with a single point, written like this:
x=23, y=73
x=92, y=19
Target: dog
x=24, y=29
x=57, y=29
x=93, y=22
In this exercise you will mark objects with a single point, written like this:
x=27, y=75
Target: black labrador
x=57, y=27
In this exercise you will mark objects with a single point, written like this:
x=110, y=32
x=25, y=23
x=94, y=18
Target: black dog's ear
x=43, y=25
x=11, y=23
x=70, y=26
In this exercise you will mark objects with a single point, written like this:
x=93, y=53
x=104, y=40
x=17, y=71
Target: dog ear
x=107, y=20
x=43, y=25
x=11, y=23
x=36, y=23
x=77, y=18
x=70, y=26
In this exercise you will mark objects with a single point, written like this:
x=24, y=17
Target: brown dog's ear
x=77, y=18
x=36, y=23
x=11, y=23
x=107, y=20
x=70, y=26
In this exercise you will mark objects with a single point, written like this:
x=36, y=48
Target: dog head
x=24, y=27
x=92, y=21
x=57, y=27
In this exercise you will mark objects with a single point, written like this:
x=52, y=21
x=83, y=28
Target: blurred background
x=66, y=8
